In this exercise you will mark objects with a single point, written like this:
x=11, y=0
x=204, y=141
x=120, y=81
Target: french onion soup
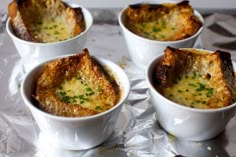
x=196, y=78
x=162, y=22
x=76, y=86
x=45, y=21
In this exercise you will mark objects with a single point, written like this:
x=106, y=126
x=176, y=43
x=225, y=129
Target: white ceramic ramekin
x=34, y=53
x=143, y=50
x=81, y=132
x=185, y=122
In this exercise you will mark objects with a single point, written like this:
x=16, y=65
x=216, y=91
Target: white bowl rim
x=156, y=41
x=84, y=10
x=100, y=59
x=174, y=104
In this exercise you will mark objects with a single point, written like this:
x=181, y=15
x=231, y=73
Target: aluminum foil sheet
x=137, y=133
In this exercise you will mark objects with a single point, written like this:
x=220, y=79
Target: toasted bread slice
x=164, y=22
x=45, y=21
x=76, y=86
x=196, y=78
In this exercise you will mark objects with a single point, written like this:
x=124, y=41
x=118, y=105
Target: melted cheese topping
x=49, y=30
x=190, y=90
x=156, y=30
x=80, y=91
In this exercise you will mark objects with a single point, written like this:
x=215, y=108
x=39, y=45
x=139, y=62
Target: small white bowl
x=77, y=133
x=143, y=50
x=185, y=122
x=33, y=53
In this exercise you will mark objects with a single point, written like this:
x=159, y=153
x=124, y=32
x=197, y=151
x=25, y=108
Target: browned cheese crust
x=216, y=67
x=94, y=89
x=29, y=18
x=178, y=20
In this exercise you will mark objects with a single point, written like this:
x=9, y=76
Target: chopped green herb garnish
x=66, y=99
x=62, y=93
x=154, y=29
x=194, y=76
x=163, y=24
x=179, y=91
x=175, y=81
x=209, y=92
x=81, y=102
x=201, y=87
x=191, y=84
x=91, y=93
x=98, y=108
x=56, y=32
x=88, y=89
x=162, y=36
x=81, y=96
x=99, y=89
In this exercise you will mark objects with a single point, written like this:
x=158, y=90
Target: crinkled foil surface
x=137, y=133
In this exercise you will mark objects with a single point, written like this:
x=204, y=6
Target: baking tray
x=137, y=132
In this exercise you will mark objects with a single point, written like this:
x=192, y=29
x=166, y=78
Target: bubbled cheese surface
x=82, y=91
x=190, y=90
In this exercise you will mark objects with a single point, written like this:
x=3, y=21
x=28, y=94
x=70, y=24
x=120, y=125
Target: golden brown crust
x=217, y=67
x=25, y=14
x=57, y=72
x=180, y=16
